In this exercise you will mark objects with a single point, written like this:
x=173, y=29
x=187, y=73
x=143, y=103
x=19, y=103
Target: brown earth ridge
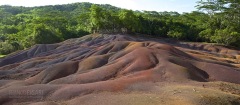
x=100, y=69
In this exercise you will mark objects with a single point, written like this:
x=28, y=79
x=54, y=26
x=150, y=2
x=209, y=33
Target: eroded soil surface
x=121, y=70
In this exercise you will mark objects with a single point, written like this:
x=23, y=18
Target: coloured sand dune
x=121, y=70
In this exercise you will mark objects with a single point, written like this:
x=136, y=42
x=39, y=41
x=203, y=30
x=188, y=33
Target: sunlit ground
x=1, y=56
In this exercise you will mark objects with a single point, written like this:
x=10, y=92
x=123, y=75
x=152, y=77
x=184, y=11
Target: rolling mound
x=121, y=70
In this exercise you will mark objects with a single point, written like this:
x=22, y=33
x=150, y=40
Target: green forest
x=216, y=21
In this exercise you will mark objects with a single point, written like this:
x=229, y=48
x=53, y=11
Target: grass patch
x=1, y=56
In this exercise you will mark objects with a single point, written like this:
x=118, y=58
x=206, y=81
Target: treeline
x=22, y=27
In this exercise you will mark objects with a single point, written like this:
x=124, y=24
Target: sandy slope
x=121, y=70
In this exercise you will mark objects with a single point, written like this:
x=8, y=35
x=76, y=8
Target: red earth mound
x=94, y=64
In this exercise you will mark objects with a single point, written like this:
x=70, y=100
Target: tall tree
x=129, y=20
x=224, y=19
x=96, y=17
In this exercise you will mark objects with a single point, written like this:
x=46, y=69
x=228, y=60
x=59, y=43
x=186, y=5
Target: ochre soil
x=121, y=70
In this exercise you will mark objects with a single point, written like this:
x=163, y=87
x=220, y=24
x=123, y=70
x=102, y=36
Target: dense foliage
x=21, y=27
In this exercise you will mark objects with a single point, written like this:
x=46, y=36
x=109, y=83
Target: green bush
x=46, y=35
x=175, y=34
x=225, y=36
x=6, y=48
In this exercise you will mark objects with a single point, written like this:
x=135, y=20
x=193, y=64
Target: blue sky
x=150, y=5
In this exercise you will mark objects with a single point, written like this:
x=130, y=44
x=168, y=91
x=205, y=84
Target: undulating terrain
x=121, y=70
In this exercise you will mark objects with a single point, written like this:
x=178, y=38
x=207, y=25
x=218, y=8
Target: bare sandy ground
x=121, y=70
